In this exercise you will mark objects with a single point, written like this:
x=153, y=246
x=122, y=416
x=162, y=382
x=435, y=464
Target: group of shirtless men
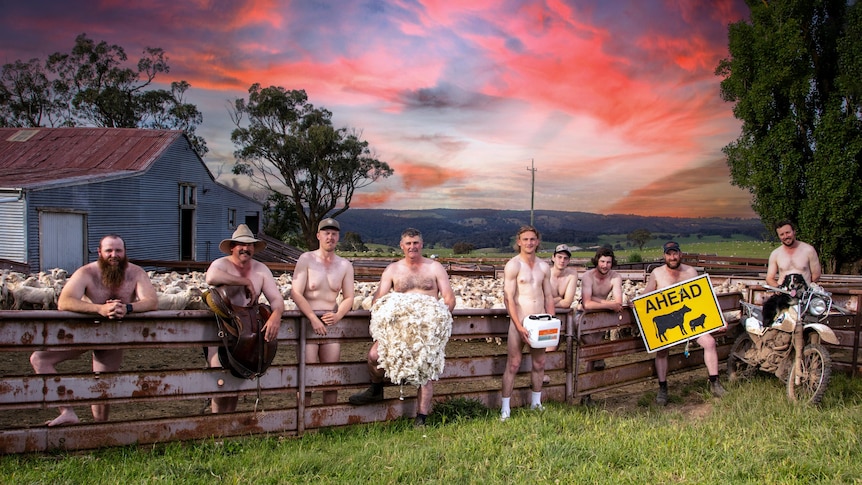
x=112, y=287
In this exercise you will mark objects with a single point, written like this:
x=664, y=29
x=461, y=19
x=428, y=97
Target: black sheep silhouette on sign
x=665, y=322
x=698, y=322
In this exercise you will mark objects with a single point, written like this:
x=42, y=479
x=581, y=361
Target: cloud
x=688, y=192
x=422, y=177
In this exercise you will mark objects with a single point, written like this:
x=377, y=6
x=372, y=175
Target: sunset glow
x=615, y=103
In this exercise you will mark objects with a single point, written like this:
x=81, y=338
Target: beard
x=673, y=264
x=113, y=276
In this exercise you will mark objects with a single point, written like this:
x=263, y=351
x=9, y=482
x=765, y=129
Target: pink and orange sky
x=615, y=102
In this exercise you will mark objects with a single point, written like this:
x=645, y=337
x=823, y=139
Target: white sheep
x=46, y=298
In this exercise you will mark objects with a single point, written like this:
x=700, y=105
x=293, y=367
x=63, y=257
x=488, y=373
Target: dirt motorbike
x=785, y=337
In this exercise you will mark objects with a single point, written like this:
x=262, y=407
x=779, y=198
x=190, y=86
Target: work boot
x=419, y=422
x=716, y=389
x=661, y=397
x=366, y=397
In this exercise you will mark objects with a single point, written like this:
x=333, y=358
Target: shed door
x=61, y=241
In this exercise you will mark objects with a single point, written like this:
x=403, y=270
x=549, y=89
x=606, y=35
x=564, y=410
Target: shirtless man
x=528, y=291
x=792, y=257
x=111, y=287
x=602, y=281
x=245, y=279
x=564, y=281
x=671, y=273
x=596, y=285
x=318, y=278
x=413, y=274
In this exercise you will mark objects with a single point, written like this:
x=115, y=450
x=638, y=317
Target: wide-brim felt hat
x=242, y=235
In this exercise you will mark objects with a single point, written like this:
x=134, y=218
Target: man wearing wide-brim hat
x=245, y=279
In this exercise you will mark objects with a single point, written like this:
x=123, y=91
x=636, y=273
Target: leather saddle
x=245, y=351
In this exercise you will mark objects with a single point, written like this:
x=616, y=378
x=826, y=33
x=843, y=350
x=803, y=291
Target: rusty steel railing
x=165, y=399
x=161, y=392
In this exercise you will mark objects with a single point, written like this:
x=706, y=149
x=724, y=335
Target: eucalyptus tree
x=286, y=145
x=93, y=85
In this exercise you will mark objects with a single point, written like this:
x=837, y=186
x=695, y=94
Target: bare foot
x=67, y=416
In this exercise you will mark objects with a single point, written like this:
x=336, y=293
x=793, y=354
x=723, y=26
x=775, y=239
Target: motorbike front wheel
x=816, y=370
x=738, y=366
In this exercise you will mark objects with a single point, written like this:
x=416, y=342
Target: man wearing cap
x=671, y=273
x=564, y=279
x=245, y=279
x=564, y=282
x=318, y=278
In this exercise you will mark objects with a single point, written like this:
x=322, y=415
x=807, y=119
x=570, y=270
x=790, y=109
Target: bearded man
x=673, y=272
x=111, y=287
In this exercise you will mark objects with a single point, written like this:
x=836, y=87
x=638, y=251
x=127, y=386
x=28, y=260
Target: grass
x=752, y=435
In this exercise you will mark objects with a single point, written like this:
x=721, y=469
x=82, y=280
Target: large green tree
x=795, y=76
x=93, y=86
x=286, y=145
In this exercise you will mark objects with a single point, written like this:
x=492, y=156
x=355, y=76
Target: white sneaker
x=504, y=416
x=537, y=407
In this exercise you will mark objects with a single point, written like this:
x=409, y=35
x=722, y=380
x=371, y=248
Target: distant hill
x=489, y=228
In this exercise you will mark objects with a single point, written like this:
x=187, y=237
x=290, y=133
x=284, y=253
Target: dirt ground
x=625, y=400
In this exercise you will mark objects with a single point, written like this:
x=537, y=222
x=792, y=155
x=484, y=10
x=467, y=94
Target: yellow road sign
x=678, y=313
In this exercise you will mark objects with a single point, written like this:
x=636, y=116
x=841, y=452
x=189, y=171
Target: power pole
x=532, y=169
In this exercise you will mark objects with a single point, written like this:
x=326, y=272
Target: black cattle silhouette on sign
x=665, y=322
x=698, y=322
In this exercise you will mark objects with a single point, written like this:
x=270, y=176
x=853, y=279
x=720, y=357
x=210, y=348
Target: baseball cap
x=328, y=223
x=671, y=246
x=562, y=248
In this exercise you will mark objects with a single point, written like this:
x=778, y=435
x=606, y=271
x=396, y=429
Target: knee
x=707, y=342
x=36, y=362
x=539, y=363
x=513, y=364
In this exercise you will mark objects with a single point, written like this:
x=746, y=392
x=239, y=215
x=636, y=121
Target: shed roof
x=36, y=157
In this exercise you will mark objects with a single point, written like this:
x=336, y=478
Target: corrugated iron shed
x=39, y=157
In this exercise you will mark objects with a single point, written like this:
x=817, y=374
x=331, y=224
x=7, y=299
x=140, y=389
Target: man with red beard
x=671, y=273
x=111, y=287
x=792, y=257
x=245, y=279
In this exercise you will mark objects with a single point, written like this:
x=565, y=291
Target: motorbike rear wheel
x=817, y=369
x=738, y=366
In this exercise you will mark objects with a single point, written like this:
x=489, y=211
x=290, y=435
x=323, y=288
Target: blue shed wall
x=145, y=208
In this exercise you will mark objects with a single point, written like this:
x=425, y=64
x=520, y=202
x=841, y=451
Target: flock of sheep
x=183, y=291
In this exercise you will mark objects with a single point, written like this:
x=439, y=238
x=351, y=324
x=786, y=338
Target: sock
x=377, y=387
x=662, y=385
x=536, y=398
x=713, y=378
x=505, y=409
